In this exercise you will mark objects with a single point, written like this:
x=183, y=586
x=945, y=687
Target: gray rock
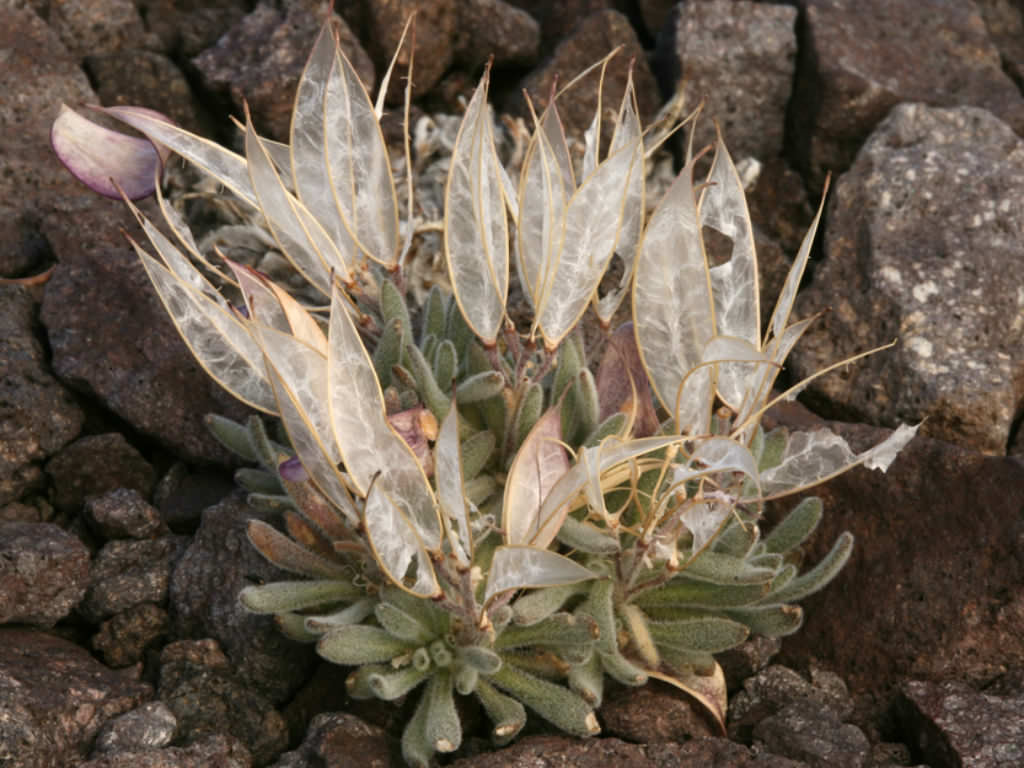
x=920, y=241
x=739, y=58
x=495, y=28
x=860, y=59
x=559, y=20
x=952, y=724
x=54, y=698
x=96, y=465
x=748, y=659
x=334, y=738
x=199, y=687
x=150, y=726
x=260, y=59
x=815, y=736
x=777, y=687
x=44, y=572
x=1004, y=20
x=186, y=29
x=123, y=514
x=37, y=416
x=211, y=752
x=204, y=599
x=126, y=574
x=590, y=41
x=123, y=639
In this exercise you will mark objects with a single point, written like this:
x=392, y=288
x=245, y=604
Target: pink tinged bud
x=417, y=426
x=107, y=161
x=293, y=471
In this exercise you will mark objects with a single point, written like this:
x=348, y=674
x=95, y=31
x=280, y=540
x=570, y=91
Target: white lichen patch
x=920, y=346
x=923, y=291
x=892, y=275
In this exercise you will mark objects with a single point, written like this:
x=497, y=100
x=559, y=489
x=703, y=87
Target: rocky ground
x=121, y=540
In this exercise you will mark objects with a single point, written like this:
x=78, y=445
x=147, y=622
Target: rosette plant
x=471, y=507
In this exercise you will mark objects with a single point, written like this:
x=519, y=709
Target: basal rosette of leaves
x=475, y=509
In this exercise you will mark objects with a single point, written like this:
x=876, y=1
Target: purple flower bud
x=293, y=471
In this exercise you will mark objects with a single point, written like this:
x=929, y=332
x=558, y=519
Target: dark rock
x=739, y=58
x=592, y=40
x=950, y=724
x=858, y=60
x=123, y=639
x=150, y=726
x=815, y=736
x=655, y=15
x=37, y=416
x=932, y=588
x=557, y=751
x=123, y=514
x=211, y=752
x=775, y=688
x=181, y=496
x=99, y=27
x=919, y=245
x=54, y=697
x=147, y=79
x=1004, y=20
x=559, y=20
x=436, y=34
x=747, y=659
x=44, y=572
x=198, y=686
x=33, y=510
x=40, y=71
x=96, y=465
x=334, y=739
x=187, y=27
x=204, y=599
x=112, y=339
x=652, y=713
x=260, y=59
x=126, y=574
x=495, y=28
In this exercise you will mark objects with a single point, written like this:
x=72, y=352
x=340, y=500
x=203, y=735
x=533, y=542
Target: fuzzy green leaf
x=360, y=644
x=286, y=596
x=559, y=706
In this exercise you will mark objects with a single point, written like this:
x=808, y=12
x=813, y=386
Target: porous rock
x=260, y=59
x=860, y=59
x=739, y=59
x=123, y=514
x=95, y=465
x=652, y=713
x=920, y=241
x=54, y=697
x=206, y=697
x=150, y=726
x=436, y=31
x=37, y=416
x=122, y=640
x=204, y=598
x=128, y=573
x=44, y=571
x=952, y=724
x=98, y=27
x=815, y=736
x=216, y=751
x=495, y=28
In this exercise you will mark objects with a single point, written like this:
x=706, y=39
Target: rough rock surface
x=912, y=602
x=952, y=724
x=859, y=59
x=653, y=713
x=123, y=514
x=211, y=752
x=37, y=416
x=150, y=726
x=593, y=38
x=197, y=684
x=127, y=573
x=204, y=599
x=54, y=697
x=122, y=640
x=739, y=58
x=334, y=738
x=920, y=242
x=436, y=34
x=260, y=59
x=495, y=28
x=95, y=465
x=44, y=571
x=815, y=736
